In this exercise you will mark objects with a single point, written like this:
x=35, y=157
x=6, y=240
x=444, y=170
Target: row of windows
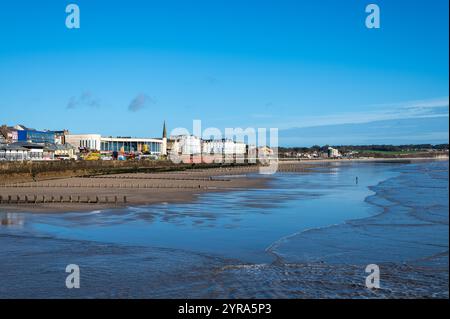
x=36, y=136
x=90, y=144
x=14, y=156
x=93, y=144
x=152, y=147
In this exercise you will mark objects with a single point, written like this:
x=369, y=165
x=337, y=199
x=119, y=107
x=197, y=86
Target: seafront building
x=13, y=153
x=192, y=149
x=22, y=143
x=193, y=145
x=62, y=151
x=96, y=142
x=223, y=146
x=120, y=144
x=34, y=136
x=21, y=133
x=185, y=145
x=24, y=151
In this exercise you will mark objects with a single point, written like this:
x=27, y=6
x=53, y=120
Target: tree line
x=375, y=148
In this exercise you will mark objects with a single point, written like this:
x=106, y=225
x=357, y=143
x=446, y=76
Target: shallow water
x=307, y=235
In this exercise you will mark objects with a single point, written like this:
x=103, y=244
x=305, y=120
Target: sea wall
x=13, y=172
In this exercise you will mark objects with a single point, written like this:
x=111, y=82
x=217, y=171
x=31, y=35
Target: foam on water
x=308, y=235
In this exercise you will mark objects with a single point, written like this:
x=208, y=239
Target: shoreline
x=311, y=259
x=374, y=159
x=271, y=249
x=117, y=191
x=346, y=244
x=378, y=193
x=139, y=189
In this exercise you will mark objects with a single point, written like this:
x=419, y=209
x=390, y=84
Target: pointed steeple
x=164, y=135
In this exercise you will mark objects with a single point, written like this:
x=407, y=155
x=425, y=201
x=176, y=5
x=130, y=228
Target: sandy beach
x=136, y=189
x=119, y=190
x=300, y=235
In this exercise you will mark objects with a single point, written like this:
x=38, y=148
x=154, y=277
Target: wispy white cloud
x=430, y=103
x=431, y=108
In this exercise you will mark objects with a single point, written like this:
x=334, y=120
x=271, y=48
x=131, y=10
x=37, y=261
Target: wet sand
x=121, y=190
x=321, y=228
x=100, y=192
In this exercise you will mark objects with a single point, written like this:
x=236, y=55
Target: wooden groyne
x=44, y=199
x=104, y=186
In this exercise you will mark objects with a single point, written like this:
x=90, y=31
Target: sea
x=313, y=234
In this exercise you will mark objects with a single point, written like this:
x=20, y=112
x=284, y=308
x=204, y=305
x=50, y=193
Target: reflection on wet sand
x=8, y=219
x=308, y=235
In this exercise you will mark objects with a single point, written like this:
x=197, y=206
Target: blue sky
x=300, y=66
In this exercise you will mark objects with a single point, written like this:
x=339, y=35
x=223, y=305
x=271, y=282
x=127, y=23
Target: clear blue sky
x=286, y=64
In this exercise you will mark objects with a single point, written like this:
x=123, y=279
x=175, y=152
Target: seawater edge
x=140, y=187
x=112, y=241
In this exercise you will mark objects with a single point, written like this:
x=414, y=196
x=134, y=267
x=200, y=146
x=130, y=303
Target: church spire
x=164, y=135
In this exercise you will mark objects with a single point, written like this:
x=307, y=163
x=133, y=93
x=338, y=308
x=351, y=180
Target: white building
x=21, y=151
x=223, y=146
x=186, y=145
x=89, y=141
x=333, y=153
x=154, y=146
x=13, y=153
